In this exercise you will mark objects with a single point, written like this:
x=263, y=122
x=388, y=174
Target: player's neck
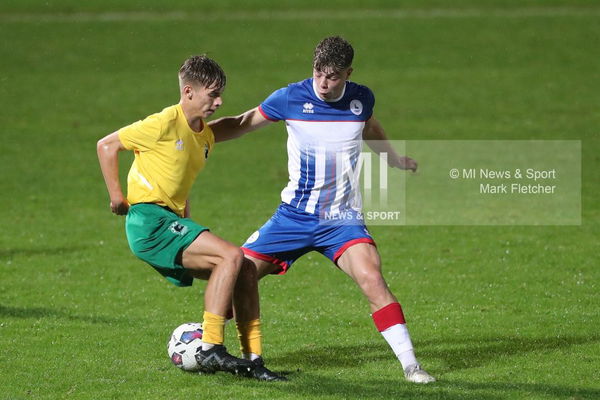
x=194, y=121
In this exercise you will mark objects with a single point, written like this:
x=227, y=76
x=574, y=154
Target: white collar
x=328, y=101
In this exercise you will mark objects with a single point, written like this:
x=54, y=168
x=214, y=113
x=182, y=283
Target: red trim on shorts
x=351, y=243
x=282, y=264
x=387, y=316
x=266, y=117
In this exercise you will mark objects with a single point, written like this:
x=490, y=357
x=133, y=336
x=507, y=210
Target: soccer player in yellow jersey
x=171, y=148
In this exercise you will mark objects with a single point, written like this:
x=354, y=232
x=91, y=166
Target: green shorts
x=158, y=236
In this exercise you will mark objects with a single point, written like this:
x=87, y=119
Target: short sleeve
x=370, y=102
x=141, y=135
x=274, y=108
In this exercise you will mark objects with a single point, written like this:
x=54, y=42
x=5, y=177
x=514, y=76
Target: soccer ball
x=185, y=343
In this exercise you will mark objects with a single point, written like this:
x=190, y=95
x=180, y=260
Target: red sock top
x=387, y=316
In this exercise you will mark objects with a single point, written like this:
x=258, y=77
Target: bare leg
x=263, y=268
x=245, y=296
x=212, y=258
x=362, y=263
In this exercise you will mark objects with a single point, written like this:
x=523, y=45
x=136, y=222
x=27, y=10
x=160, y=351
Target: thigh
x=333, y=241
x=206, y=251
x=264, y=268
x=360, y=261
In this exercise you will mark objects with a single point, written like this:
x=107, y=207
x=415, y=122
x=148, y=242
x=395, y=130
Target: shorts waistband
x=154, y=204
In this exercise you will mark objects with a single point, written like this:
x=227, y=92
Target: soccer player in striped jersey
x=171, y=147
x=327, y=118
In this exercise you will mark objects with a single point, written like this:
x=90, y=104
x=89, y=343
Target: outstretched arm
x=228, y=128
x=377, y=140
x=108, y=148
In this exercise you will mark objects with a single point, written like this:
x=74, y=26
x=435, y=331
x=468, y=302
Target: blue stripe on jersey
x=328, y=191
x=306, y=181
x=310, y=184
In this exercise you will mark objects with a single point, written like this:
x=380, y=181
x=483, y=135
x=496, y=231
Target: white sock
x=251, y=356
x=207, y=346
x=399, y=340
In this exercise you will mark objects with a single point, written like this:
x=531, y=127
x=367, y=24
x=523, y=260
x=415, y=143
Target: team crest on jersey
x=308, y=108
x=179, y=145
x=356, y=107
x=205, y=151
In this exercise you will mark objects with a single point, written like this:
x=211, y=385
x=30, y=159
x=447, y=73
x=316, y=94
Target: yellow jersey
x=168, y=157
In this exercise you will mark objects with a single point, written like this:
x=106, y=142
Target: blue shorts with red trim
x=291, y=233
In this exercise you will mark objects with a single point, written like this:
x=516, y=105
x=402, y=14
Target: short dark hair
x=203, y=70
x=333, y=52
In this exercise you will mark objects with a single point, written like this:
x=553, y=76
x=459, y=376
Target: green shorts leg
x=158, y=236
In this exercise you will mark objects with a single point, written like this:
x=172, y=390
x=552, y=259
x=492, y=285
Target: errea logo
x=308, y=108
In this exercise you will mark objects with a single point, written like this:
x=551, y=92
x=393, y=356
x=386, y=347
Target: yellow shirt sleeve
x=141, y=135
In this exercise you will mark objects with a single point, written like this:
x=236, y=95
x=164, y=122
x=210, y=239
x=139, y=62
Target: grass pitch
x=495, y=312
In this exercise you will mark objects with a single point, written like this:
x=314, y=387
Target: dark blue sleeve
x=274, y=108
x=370, y=104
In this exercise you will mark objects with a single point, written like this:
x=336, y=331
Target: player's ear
x=349, y=72
x=187, y=91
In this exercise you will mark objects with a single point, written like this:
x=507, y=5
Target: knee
x=233, y=255
x=371, y=281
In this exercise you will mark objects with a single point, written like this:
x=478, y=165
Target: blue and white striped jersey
x=324, y=144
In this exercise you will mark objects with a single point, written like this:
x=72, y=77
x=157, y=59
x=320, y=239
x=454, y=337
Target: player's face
x=205, y=101
x=330, y=84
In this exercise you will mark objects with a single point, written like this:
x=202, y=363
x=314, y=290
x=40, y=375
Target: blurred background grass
x=495, y=312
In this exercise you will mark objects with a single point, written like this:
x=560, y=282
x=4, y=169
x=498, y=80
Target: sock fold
x=388, y=316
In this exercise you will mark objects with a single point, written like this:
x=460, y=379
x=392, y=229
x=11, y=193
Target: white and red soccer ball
x=184, y=344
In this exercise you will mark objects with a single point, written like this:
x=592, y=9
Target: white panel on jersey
x=319, y=179
x=320, y=140
x=288, y=192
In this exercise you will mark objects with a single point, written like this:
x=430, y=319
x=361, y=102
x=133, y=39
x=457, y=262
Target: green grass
x=495, y=312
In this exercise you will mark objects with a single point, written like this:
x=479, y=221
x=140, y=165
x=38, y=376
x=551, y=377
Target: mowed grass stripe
x=293, y=14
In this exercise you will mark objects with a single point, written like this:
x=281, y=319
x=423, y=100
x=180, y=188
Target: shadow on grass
x=457, y=354
x=40, y=251
x=365, y=387
x=44, y=312
x=474, y=352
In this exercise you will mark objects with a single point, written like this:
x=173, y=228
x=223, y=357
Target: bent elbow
x=102, y=146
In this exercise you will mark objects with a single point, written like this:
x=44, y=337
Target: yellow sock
x=250, y=337
x=214, y=328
